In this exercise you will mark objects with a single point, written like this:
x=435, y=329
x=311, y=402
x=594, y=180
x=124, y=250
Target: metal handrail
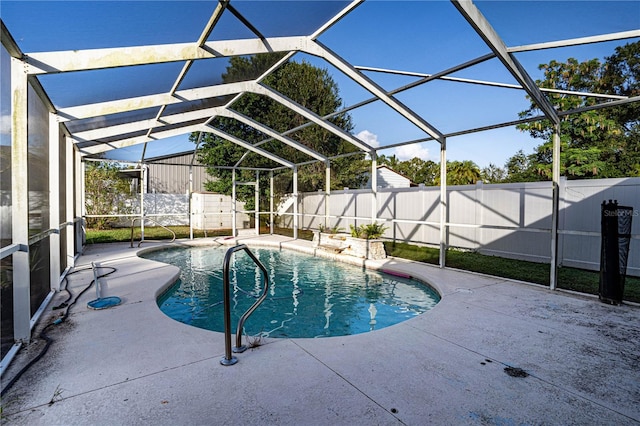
x=133, y=221
x=228, y=359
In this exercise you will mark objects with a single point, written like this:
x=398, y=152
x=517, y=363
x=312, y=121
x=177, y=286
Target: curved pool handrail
x=133, y=221
x=228, y=359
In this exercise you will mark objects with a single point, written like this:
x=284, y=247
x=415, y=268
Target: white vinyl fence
x=508, y=220
x=210, y=211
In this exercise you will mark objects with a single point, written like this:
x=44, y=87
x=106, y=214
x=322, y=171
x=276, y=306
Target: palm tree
x=462, y=173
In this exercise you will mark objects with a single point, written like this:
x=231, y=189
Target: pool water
x=308, y=296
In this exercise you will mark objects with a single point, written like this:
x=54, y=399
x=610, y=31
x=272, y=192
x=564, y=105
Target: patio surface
x=132, y=365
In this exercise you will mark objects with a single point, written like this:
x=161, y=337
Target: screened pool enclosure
x=130, y=81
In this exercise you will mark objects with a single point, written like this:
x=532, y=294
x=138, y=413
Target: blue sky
x=416, y=36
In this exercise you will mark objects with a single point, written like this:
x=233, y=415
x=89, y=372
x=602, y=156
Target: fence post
x=562, y=195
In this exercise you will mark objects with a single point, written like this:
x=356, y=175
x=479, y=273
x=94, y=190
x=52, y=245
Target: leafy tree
x=521, y=168
x=392, y=161
x=492, y=174
x=420, y=171
x=105, y=193
x=416, y=169
x=310, y=87
x=597, y=143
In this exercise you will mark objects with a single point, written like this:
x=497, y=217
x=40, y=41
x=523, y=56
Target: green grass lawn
x=568, y=278
x=95, y=236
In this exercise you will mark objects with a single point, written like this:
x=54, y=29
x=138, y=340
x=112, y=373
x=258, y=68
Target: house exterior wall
x=387, y=178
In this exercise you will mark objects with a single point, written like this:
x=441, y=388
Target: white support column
x=479, y=216
x=190, y=195
x=553, y=273
x=327, y=194
x=374, y=186
x=80, y=198
x=20, y=203
x=444, y=207
x=71, y=195
x=271, y=202
x=234, y=230
x=54, y=202
x=295, y=202
x=257, y=202
x=143, y=189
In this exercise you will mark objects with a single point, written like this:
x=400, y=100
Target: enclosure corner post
x=444, y=207
x=54, y=201
x=295, y=202
x=374, y=186
x=20, y=202
x=70, y=194
x=234, y=231
x=553, y=273
x=271, y=202
x=257, y=201
x=327, y=192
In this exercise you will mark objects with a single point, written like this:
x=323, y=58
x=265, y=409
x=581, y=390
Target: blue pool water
x=308, y=297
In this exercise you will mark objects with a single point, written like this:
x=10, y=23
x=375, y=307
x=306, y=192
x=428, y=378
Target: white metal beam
x=487, y=83
x=103, y=147
x=309, y=115
x=213, y=20
x=318, y=49
x=136, y=126
x=337, y=17
x=484, y=29
x=92, y=59
x=273, y=134
x=131, y=104
x=246, y=145
x=576, y=41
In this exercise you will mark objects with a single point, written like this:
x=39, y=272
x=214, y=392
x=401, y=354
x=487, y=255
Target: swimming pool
x=308, y=297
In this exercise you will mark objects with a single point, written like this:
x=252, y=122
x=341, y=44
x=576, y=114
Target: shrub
x=370, y=231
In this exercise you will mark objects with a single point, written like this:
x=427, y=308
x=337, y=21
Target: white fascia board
x=273, y=134
x=93, y=59
x=123, y=129
x=309, y=115
x=130, y=104
x=104, y=147
x=317, y=49
x=246, y=145
x=484, y=29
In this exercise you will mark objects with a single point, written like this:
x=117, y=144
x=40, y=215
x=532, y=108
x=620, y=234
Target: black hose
x=48, y=340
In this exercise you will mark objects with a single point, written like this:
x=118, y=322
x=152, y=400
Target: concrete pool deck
x=132, y=365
